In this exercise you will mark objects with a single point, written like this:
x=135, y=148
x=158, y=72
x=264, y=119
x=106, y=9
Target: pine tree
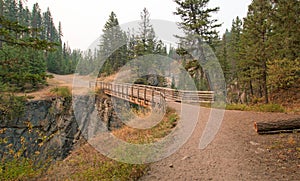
x=36, y=20
x=1, y=8
x=47, y=25
x=197, y=22
x=286, y=31
x=256, y=36
x=27, y=39
x=1, y=16
x=11, y=10
x=283, y=68
x=22, y=65
x=113, y=46
x=222, y=51
x=234, y=48
x=196, y=19
x=146, y=34
x=147, y=47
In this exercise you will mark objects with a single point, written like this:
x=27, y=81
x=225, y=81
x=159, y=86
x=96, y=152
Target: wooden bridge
x=149, y=95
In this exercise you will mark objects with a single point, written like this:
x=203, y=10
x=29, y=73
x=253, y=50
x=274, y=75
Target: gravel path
x=236, y=153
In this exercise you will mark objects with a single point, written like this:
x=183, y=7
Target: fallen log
x=283, y=126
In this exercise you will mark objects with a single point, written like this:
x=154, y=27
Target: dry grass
x=132, y=135
x=110, y=78
x=86, y=163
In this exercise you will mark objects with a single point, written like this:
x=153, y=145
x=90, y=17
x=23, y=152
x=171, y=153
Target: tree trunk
x=251, y=88
x=265, y=87
x=282, y=126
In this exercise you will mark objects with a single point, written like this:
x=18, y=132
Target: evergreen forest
x=259, y=53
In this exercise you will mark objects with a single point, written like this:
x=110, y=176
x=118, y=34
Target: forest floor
x=236, y=153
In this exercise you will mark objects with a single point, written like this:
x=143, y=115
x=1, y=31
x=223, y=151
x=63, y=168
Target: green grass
x=240, y=107
x=61, y=91
x=19, y=169
x=271, y=108
x=88, y=164
x=111, y=170
x=258, y=108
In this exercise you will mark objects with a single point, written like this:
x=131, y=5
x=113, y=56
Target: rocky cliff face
x=48, y=128
x=107, y=112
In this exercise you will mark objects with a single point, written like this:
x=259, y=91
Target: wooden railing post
x=152, y=96
x=126, y=94
x=131, y=91
x=138, y=94
x=122, y=90
x=118, y=89
x=145, y=95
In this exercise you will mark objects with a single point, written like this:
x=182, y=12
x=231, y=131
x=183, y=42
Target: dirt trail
x=56, y=81
x=59, y=81
x=237, y=153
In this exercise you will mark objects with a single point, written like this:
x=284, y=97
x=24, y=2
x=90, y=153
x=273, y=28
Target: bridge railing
x=136, y=94
x=146, y=95
x=183, y=95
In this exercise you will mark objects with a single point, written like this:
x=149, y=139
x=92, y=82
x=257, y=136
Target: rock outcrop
x=47, y=128
x=52, y=128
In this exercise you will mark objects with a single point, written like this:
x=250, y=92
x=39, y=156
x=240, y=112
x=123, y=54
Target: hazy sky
x=83, y=20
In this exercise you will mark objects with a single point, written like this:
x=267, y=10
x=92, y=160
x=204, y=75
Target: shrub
x=11, y=106
x=61, y=91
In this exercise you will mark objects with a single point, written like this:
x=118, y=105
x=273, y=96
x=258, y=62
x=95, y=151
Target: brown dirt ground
x=56, y=81
x=236, y=153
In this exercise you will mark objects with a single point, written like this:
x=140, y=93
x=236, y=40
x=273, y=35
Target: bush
x=11, y=106
x=61, y=92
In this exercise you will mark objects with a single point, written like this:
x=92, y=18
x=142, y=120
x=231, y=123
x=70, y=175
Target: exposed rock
x=52, y=128
x=107, y=113
x=47, y=126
